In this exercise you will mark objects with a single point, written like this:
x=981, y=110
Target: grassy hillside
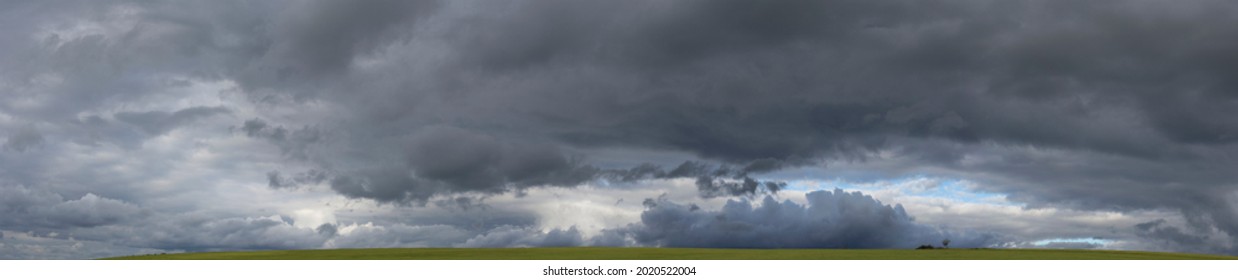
x=599, y=253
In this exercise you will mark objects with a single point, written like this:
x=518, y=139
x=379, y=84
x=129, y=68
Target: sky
x=144, y=127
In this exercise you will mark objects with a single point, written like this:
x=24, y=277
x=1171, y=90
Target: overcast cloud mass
x=137, y=127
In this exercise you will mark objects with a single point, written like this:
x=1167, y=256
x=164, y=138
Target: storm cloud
x=836, y=219
x=222, y=116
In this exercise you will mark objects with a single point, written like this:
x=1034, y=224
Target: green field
x=601, y=253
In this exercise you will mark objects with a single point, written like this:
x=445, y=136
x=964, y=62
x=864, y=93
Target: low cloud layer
x=34, y=208
x=829, y=219
x=836, y=219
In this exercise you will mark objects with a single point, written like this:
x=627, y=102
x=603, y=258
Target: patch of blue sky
x=919, y=185
x=1089, y=240
x=813, y=185
x=961, y=190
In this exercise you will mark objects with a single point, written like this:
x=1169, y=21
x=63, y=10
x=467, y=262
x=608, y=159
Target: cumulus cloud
x=836, y=219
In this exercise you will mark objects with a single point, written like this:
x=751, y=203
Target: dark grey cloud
x=328, y=230
x=950, y=83
x=294, y=143
x=477, y=162
x=1157, y=230
x=67, y=58
x=463, y=203
x=835, y=219
x=312, y=176
x=443, y=160
x=712, y=181
x=320, y=39
x=23, y=139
